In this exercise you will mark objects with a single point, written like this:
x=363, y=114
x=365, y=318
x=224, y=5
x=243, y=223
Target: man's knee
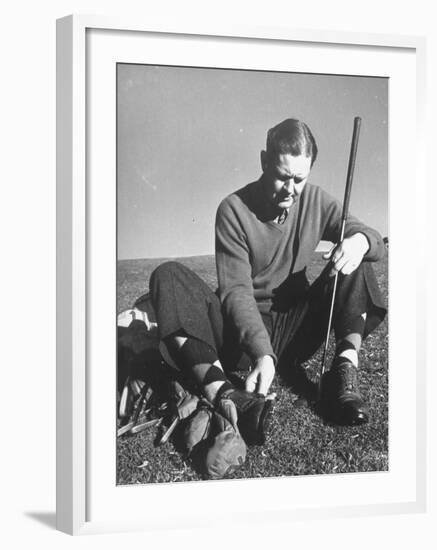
x=166, y=268
x=165, y=272
x=177, y=280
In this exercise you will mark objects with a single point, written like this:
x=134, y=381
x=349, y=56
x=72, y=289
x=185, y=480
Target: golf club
x=346, y=200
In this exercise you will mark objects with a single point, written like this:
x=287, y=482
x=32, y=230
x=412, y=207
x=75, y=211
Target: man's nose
x=289, y=185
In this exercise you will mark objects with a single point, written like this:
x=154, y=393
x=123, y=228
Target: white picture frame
x=76, y=240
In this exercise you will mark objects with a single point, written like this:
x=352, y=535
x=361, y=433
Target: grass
x=301, y=442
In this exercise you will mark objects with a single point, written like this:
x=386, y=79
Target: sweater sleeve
x=332, y=212
x=235, y=284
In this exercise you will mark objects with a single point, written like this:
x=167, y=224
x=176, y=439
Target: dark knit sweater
x=261, y=265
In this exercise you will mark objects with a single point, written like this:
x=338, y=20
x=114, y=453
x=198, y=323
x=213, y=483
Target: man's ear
x=263, y=157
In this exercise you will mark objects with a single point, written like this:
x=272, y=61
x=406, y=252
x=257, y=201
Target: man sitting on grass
x=266, y=315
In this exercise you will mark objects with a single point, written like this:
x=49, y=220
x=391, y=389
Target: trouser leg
x=358, y=293
x=184, y=303
x=190, y=324
x=298, y=333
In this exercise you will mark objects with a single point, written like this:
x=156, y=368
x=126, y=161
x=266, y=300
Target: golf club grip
x=351, y=166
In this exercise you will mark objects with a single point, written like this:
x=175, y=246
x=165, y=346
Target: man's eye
x=298, y=180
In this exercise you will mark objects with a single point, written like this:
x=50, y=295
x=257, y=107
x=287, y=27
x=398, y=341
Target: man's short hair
x=291, y=137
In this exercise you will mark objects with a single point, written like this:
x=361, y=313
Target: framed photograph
x=161, y=132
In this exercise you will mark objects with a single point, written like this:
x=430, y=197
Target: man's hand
x=262, y=375
x=348, y=255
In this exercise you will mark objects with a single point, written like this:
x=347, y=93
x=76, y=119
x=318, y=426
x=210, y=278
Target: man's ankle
x=225, y=389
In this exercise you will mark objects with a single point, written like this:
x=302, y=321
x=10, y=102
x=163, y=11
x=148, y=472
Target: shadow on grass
x=307, y=391
x=298, y=381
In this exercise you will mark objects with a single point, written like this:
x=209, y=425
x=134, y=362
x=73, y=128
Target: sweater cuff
x=373, y=245
x=259, y=349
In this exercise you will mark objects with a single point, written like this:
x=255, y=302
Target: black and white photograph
x=252, y=274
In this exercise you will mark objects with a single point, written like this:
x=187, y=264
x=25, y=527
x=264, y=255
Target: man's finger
x=264, y=386
x=250, y=384
x=271, y=396
x=333, y=271
x=349, y=268
x=328, y=254
x=340, y=264
x=338, y=254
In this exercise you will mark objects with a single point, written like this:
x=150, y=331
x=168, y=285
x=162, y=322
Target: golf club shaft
x=346, y=200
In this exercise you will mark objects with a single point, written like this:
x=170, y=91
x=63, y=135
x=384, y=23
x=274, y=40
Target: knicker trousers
x=183, y=302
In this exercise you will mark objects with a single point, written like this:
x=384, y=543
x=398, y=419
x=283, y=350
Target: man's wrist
x=363, y=241
x=265, y=359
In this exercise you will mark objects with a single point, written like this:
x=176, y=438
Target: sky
x=188, y=137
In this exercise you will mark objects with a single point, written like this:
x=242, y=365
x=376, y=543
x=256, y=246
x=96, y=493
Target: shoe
x=214, y=444
x=198, y=428
x=341, y=395
x=253, y=412
x=228, y=450
x=226, y=454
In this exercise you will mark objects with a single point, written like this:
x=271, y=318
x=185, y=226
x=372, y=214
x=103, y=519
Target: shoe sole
x=347, y=416
x=265, y=423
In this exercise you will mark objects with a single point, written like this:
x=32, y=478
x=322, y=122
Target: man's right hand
x=262, y=375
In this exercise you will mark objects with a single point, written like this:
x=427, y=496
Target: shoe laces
x=348, y=377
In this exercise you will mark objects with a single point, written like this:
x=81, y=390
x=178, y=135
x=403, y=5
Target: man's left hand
x=347, y=256
x=262, y=375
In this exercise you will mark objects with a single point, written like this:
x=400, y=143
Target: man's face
x=284, y=177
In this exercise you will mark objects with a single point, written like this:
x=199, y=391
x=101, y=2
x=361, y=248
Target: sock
x=195, y=352
x=223, y=391
x=349, y=340
x=199, y=361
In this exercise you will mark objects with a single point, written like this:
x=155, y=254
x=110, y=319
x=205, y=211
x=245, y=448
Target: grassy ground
x=301, y=442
